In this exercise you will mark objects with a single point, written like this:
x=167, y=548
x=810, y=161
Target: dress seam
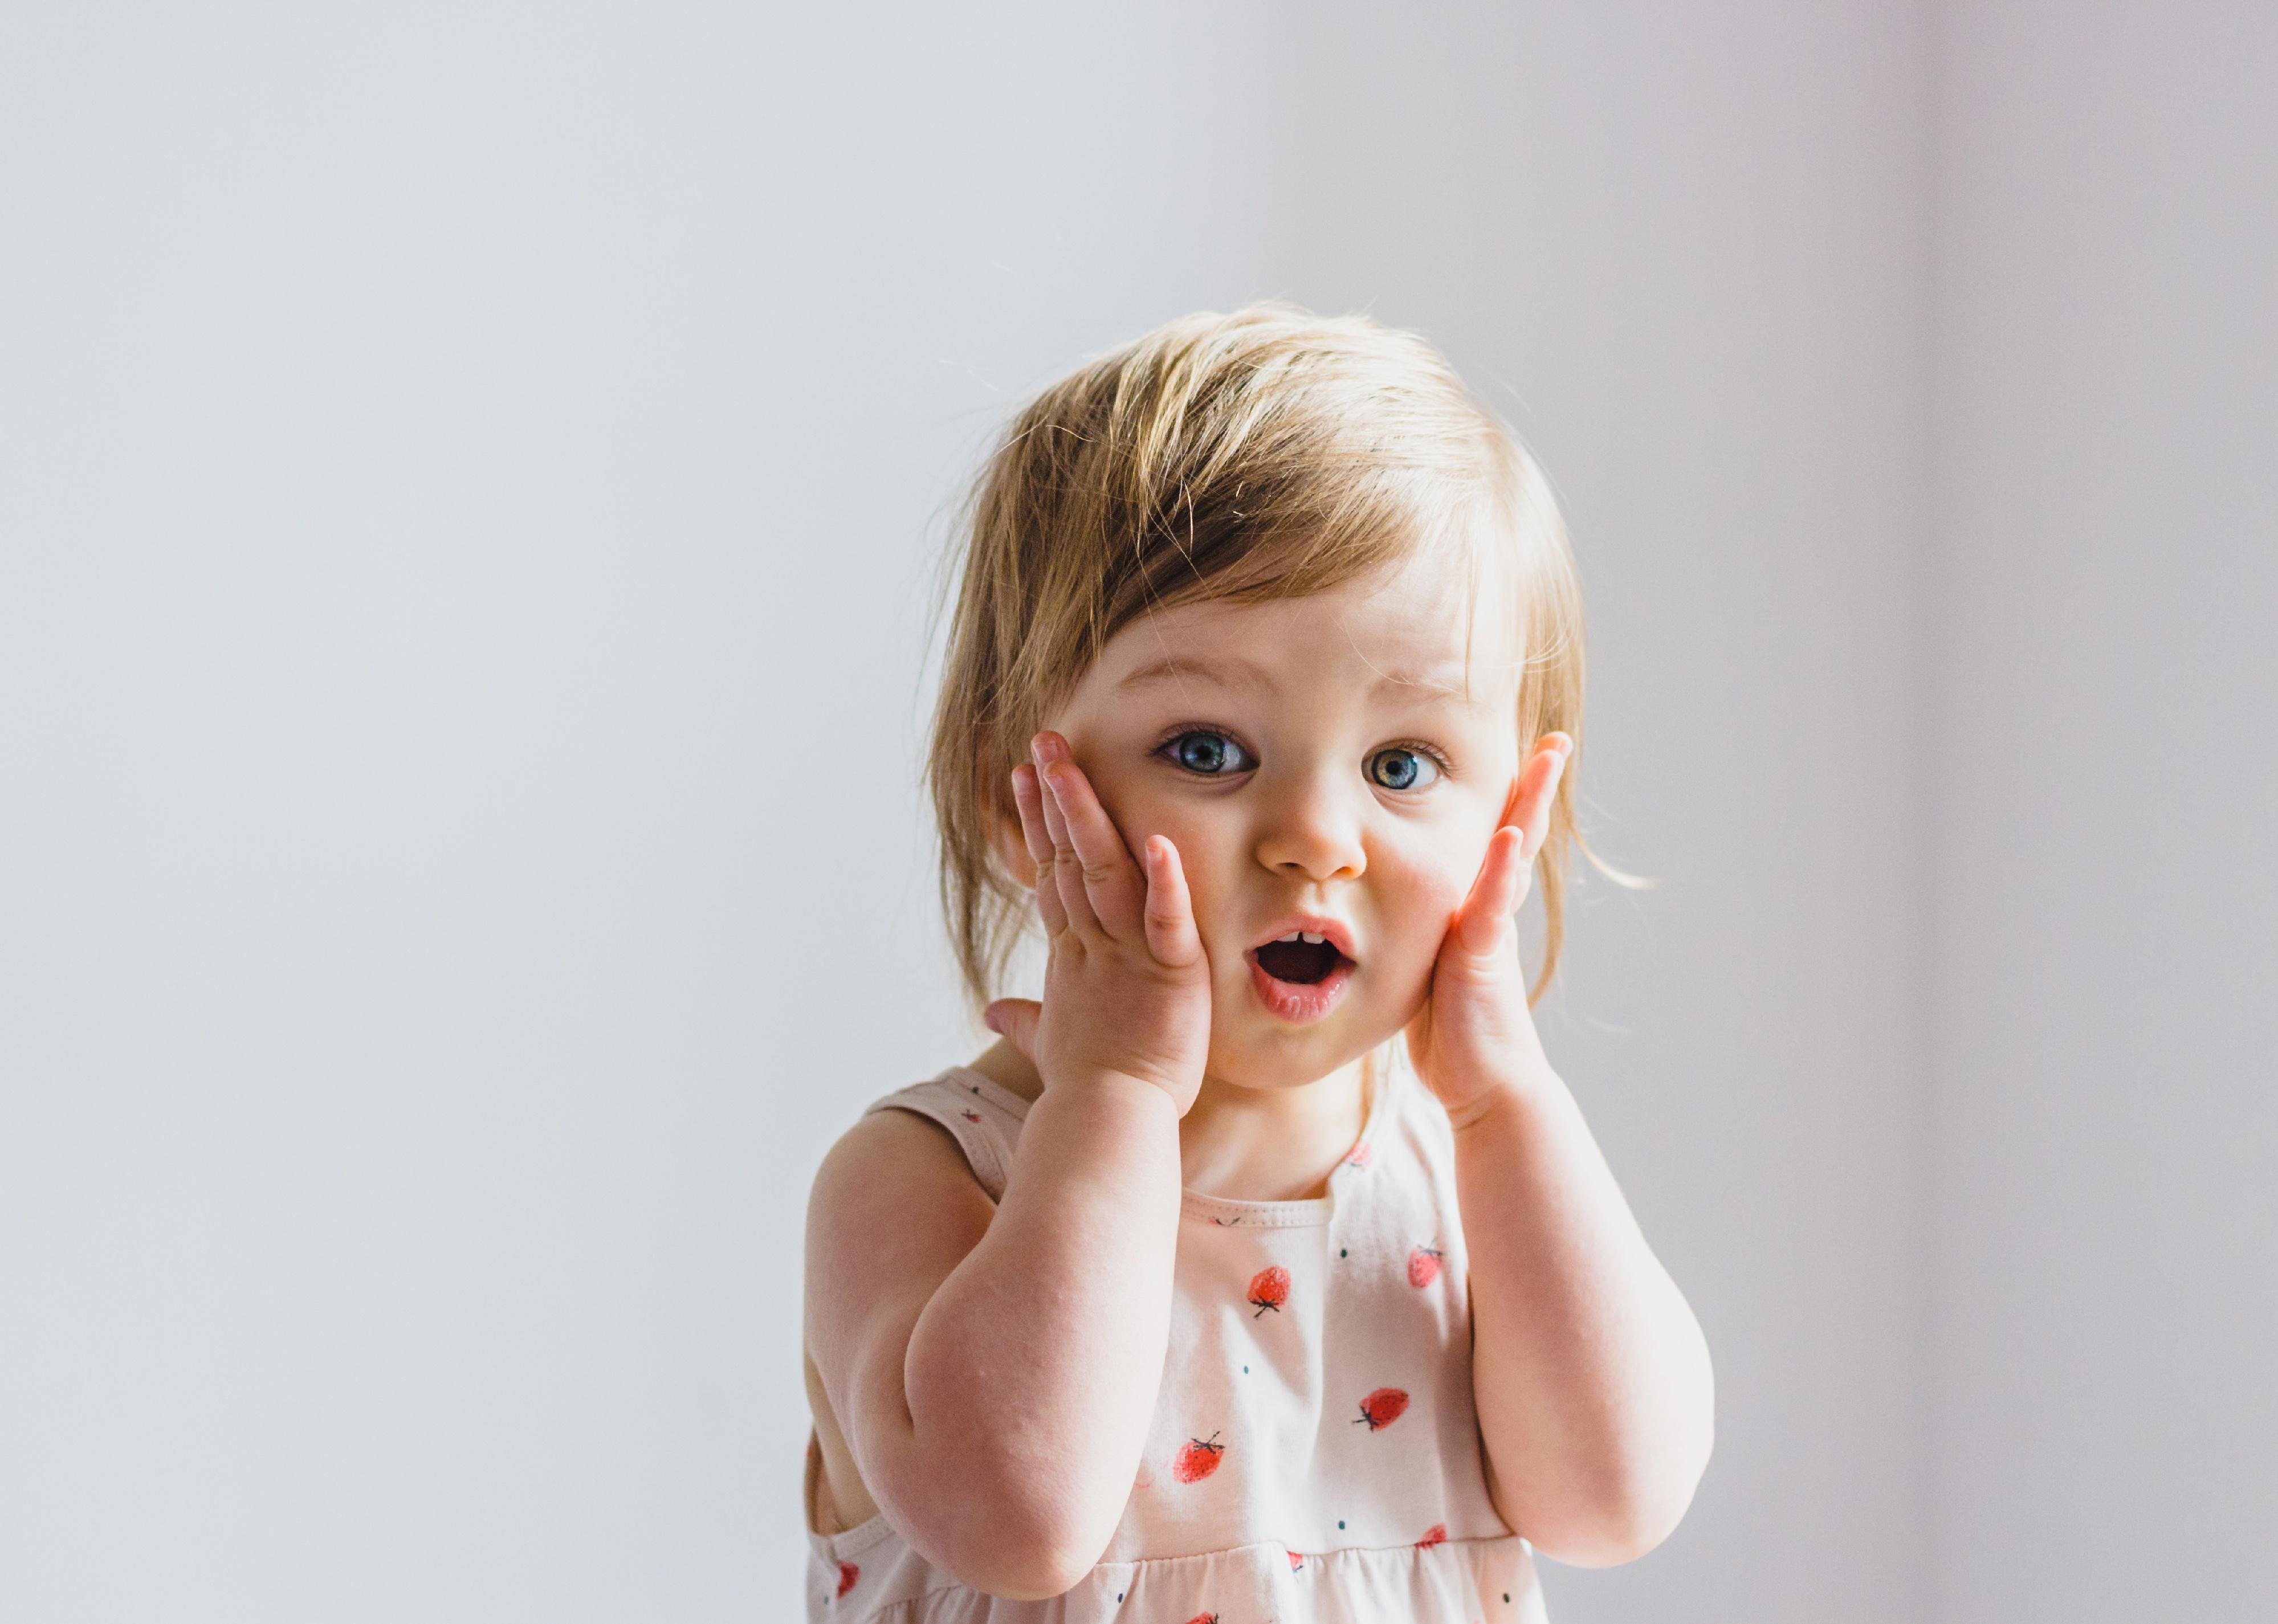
x=1135, y=1564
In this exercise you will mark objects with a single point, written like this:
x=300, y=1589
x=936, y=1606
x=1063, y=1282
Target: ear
x=1005, y=839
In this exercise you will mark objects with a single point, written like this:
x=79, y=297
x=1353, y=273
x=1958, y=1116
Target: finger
x=1015, y=1020
x=1528, y=790
x=1112, y=882
x=1548, y=768
x=1068, y=868
x=1171, y=935
x=1070, y=872
x=1486, y=913
x=1031, y=799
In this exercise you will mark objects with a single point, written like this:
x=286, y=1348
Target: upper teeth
x=1303, y=936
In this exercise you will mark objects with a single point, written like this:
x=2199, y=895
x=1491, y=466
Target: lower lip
x=1300, y=1002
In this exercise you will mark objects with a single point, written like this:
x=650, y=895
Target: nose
x=1312, y=828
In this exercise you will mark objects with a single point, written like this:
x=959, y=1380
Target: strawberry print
x=1204, y=1618
x=1436, y=1535
x=1423, y=1266
x=1269, y=1288
x=1199, y=1458
x=1295, y=1561
x=1357, y=1156
x=1381, y=1408
x=970, y=1115
x=847, y=1574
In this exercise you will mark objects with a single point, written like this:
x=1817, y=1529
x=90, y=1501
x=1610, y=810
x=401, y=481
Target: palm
x=1126, y=984
x=1475, y=1015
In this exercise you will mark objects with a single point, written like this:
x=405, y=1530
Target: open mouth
x=1300, y=976
x=1300, y=957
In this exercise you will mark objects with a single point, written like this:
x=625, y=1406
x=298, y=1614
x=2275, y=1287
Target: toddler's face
x=1322, y=769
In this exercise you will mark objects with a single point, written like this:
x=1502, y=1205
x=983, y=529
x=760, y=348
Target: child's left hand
x=1475, y=1025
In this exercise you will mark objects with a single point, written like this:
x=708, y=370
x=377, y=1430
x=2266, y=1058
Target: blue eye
x=1211, y=754
x=1402, y=769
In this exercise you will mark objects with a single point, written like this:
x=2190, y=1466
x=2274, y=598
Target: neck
x=1273, y=1144
x=1245, y=1144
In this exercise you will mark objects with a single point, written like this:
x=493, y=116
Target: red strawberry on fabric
x=1204, y=1618
x=1436, y=1535
x=1269, y=1288
x=970, y=1115
x=1199, y=1458
x=1423, y=1266
x=1358, y=1155
x=847, y=1574
x=1382, y=1407
x=1295, y=1561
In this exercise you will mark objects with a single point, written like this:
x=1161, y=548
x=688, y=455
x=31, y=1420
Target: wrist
x=1510, y=1094
x=1111, y=1131
x=1108, y=1088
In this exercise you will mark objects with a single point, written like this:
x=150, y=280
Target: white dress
x=1314, y=1454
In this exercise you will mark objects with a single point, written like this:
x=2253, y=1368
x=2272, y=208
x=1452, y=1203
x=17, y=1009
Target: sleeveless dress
x=1314, y=1454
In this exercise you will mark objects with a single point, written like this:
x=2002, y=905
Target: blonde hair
x=1268, y=452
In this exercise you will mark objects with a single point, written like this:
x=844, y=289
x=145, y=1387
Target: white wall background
x=467, y=481
x=2103, y=663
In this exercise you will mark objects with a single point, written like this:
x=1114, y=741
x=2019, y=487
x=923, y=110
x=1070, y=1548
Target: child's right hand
x=1127, y=987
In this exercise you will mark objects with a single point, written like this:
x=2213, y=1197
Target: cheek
x=1202, y=843
x=1440, y=891
x=1420, y=891
x=1429, y=900
x=1203, y=854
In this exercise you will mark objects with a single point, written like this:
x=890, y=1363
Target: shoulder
x=906, y=1191
x=892, y=1165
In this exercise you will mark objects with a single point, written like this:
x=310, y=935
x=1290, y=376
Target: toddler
x=1263, y=1269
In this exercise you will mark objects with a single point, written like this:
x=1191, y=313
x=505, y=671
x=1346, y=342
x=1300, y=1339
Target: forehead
x=1414, y=632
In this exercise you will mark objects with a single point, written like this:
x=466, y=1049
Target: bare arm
x=1590, y=1375
x=996, y=1375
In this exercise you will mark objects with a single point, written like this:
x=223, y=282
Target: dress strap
x=983, y=1116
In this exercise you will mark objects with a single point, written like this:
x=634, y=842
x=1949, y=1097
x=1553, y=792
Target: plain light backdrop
x=470, y=483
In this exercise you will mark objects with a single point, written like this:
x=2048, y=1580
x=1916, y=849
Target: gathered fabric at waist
x=868, y=1573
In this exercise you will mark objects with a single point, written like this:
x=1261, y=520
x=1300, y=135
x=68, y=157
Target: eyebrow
x=1232, y=672
x=1235, y=672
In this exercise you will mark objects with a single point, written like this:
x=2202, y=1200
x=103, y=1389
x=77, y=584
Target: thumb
x=1015, y=1020
x=1171, y=935
x=1486, y=913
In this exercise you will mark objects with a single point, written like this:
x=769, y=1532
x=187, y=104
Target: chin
x=1272, y=1060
